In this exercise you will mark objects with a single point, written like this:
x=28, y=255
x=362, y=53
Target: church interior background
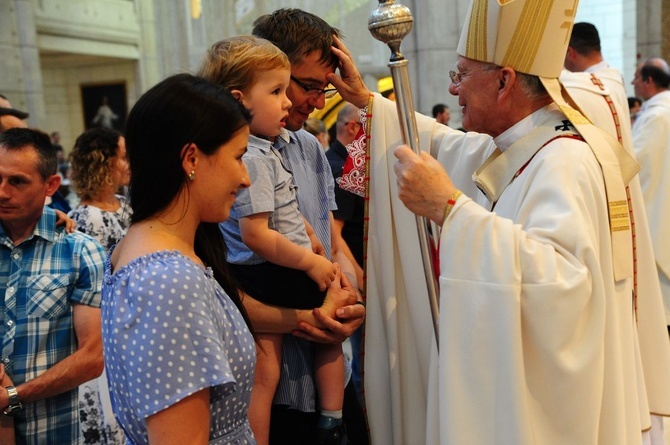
x=59, y=57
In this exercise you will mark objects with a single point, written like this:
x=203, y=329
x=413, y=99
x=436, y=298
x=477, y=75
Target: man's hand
x=6, y=422
x=5, y=381
x=339, y=324
x=423, y=185
x=62, y=219
x=349, y=83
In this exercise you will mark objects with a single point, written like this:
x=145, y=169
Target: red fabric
x=353, y=173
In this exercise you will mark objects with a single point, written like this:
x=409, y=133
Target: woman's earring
x=191, y=175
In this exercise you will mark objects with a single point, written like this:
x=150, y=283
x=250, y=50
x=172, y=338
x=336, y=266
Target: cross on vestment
x=565, y=127
x=597, y=82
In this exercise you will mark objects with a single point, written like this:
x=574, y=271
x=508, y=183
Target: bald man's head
x=348, y=124
x=651, y=77
x=9, y=116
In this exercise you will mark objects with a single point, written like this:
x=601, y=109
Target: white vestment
x=537, y=341
x=614, y=118
x=651, y=140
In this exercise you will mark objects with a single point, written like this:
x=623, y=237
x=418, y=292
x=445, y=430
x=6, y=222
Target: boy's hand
x=62, y=219
x=322, y=271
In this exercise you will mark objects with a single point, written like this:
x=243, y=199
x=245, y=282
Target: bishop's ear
x=506, y=77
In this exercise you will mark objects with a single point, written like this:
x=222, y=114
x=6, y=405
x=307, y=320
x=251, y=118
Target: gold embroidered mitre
x=530, y=36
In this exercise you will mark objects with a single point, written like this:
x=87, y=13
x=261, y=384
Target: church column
x=20, y=73
x=148, y=66
x=431, y=50
x=653, y=32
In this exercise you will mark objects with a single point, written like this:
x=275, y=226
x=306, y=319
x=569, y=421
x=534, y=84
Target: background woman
x=99, y=169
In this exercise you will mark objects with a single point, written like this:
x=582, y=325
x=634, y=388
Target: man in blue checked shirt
x=50, y=286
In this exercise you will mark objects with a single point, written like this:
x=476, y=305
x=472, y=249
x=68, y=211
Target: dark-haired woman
x=178, y=351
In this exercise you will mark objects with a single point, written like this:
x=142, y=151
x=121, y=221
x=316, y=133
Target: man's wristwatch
x=15, y=406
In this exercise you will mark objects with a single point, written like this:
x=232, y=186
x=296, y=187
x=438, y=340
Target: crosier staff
x=390, y=23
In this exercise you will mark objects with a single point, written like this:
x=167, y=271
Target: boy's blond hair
x=234, y=62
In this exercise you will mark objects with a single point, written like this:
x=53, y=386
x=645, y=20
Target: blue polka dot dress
x=169, y=330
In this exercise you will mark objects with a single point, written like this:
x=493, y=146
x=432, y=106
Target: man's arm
x=83, y=365
x=340, y=245
x=269, y=319
x=317, y=247
x=346, y=320
x=280, y=320
x=335, y=329
x=7, y=436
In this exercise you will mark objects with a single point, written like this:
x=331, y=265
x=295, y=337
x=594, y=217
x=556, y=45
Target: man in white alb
x=651, y=140
x=599, y=91
x=538, y=342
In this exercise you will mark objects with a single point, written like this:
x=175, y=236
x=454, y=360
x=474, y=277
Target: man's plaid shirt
x=40, y=279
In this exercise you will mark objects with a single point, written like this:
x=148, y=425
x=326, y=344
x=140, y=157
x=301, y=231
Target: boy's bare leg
x=329, y=370
x=268, y=362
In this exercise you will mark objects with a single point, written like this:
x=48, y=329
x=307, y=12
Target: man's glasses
x=313, y=91
x=457, y=77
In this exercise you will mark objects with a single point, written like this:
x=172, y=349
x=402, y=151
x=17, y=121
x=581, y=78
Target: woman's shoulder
x=161, y=266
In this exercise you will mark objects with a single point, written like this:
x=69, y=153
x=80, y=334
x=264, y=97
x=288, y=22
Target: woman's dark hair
x=91, y=160
x=178, y=111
